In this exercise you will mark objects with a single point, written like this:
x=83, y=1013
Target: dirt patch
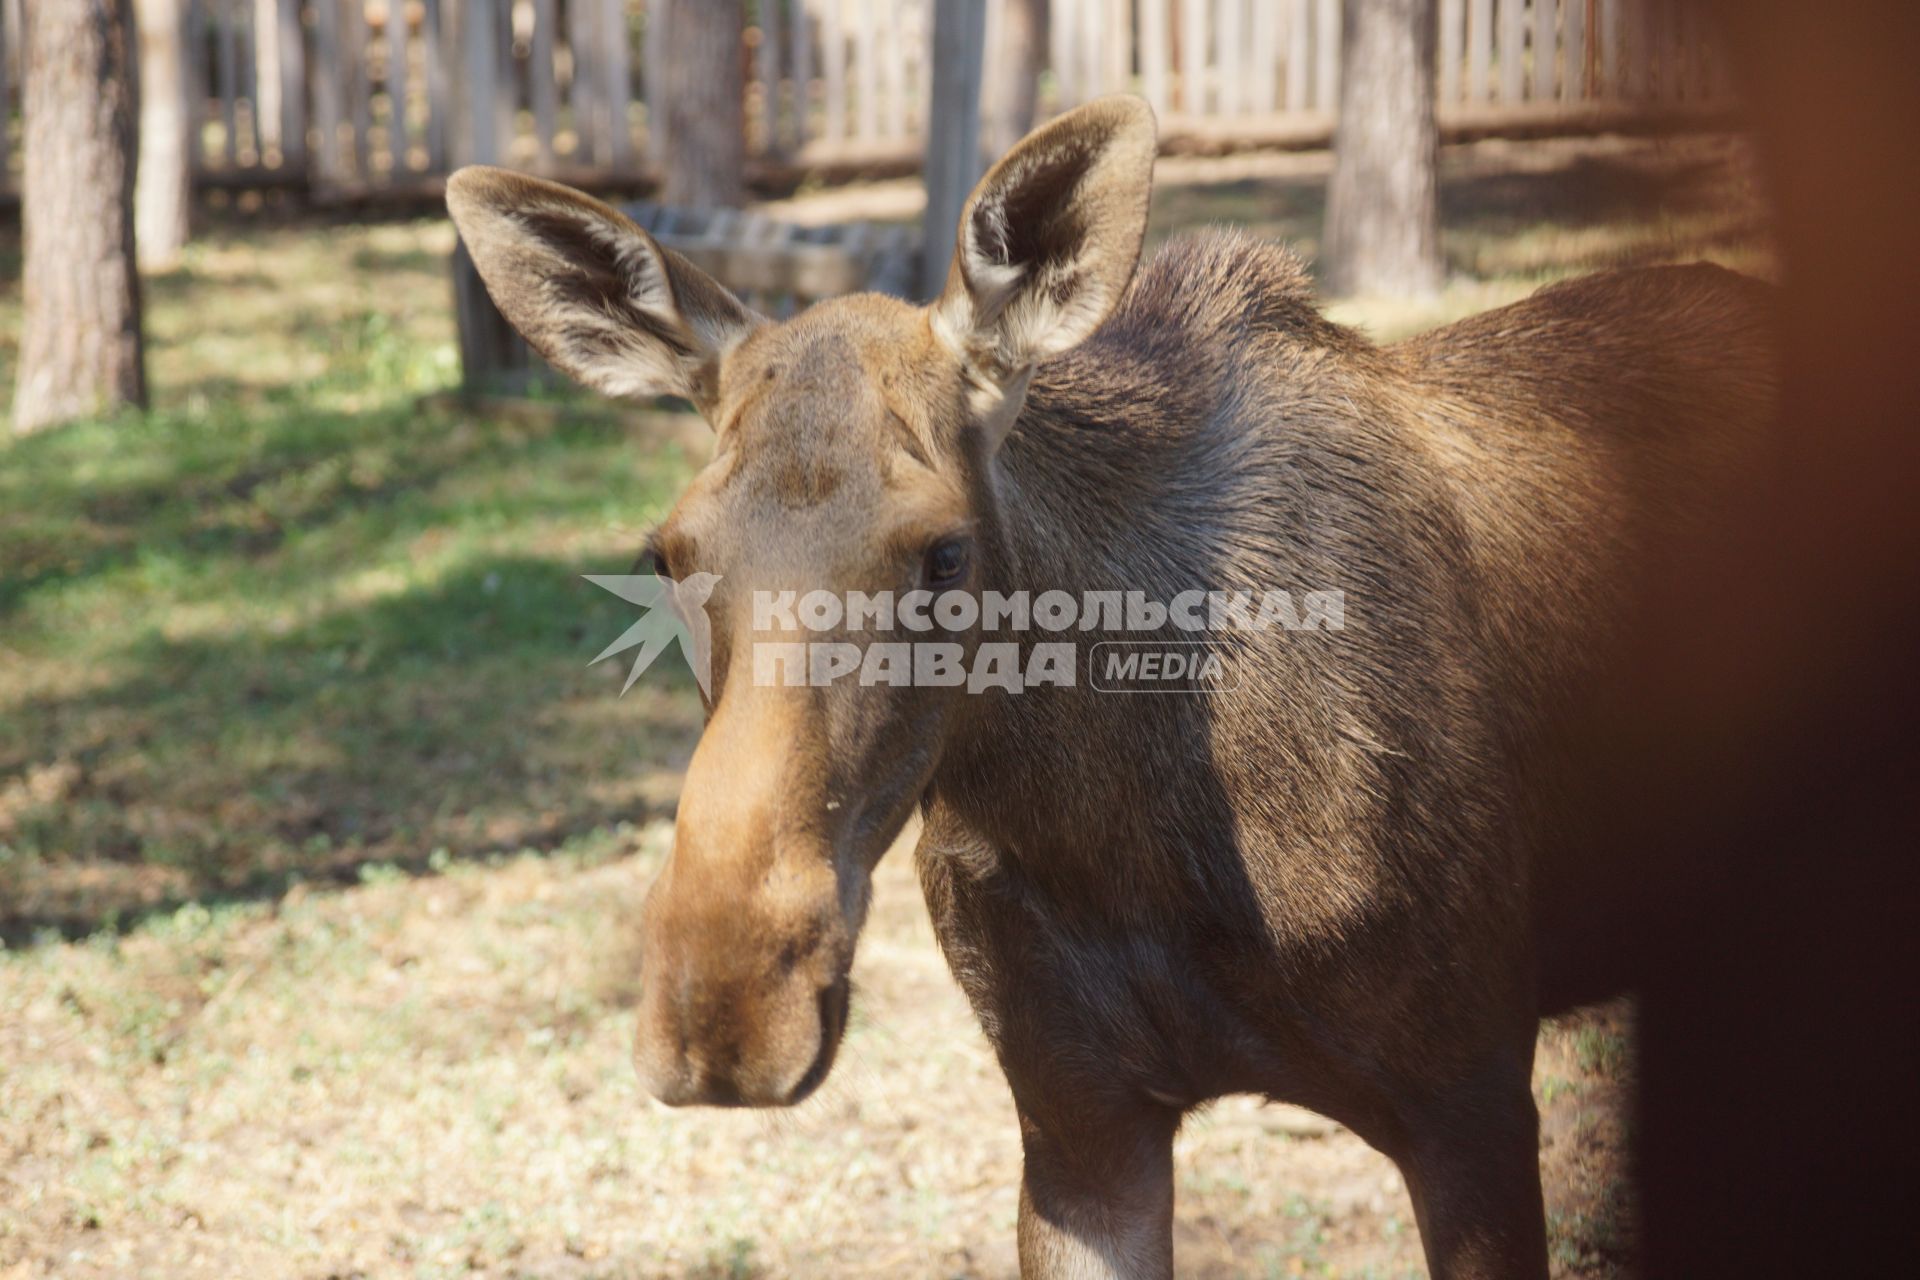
x=429, y=1076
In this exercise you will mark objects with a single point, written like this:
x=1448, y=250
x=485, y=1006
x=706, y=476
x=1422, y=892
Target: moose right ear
x=1049, y=239
x=591, y=291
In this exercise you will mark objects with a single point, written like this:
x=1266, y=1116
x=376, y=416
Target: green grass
x=309, y=612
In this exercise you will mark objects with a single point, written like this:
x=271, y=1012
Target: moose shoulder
x=1335, y=876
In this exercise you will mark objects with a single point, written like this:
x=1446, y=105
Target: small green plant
x=1600, y=1051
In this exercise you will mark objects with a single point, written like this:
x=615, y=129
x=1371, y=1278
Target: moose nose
x=689, y=1054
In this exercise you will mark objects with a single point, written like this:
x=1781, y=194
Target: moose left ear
x=1049, y=239
x=595, y=294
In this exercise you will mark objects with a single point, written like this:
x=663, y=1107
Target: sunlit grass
x=308, y=611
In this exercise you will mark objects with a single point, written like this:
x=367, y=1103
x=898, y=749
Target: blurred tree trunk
x=1383, y=218
x=1014, y=65
x=80, y=347
x=705, y=157
x=162, y=197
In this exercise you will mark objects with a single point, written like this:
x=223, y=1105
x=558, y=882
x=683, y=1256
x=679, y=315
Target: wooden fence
x=346, y=96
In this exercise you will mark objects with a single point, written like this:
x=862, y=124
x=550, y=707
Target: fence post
x=1327, y=76
x=619, y=84
x=540, y=78
x=478, y=41
x=801, y=30
x=292, y=48
x=1153, y=54
x=1513, y=34
x=1573, y=79
x=1546, y=44
x=399, y=131
x=953, y=130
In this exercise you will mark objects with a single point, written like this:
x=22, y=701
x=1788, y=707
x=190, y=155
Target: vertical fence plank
x=480, y=48
x=1062, y=18
x=353, y=47
x=292, y=67
x=767, y=64
x=1263, y=75
x=1574, y=15
x=866, y=72
x=1232, y=56
x=265, y=81
x=953, y=130
x=326, y=87
x=226, y=82
x=1089, y=45
x=800, y=29
x=834, y=58
x=1513, y=35
x=653, y=54
x=434, y=45
x=1297, y=54
x=247, y=80
x=1193, y=56
x=584, y=78
x=1118, y=73
x=1453, y=33
x=399, y=131
x=891, y=48
x=1153, y=54
x=506, y=82
x=1545, y=48
x=1326, y=76
x=618, y=63
x=1479, y=48
x=542, y=87
x=197, y=28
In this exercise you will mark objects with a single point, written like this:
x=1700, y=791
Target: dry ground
x=319, y=843
x=429, y=1077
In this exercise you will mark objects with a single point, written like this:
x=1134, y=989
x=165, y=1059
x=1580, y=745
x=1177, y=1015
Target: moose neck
x=1094, y=494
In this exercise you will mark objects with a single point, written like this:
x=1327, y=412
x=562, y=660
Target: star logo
x=672, y=611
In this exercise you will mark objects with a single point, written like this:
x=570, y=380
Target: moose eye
x=652, y=560
x=946, y=562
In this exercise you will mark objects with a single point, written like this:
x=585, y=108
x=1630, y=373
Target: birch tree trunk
x=80, y=348
x=1383, y=219
x=705, y=158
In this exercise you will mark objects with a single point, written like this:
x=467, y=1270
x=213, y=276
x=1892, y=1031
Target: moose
x=1338, y=882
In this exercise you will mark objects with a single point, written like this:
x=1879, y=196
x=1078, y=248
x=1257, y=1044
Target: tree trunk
x=705, y=156
x=1013, y=72
x=163, y=195
x=80, y=347
x=1383, y=217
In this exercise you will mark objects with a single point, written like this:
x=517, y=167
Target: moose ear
x=1050, y=238
x=591, y=291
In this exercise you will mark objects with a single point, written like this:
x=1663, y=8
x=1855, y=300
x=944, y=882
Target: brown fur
x=1336, y=884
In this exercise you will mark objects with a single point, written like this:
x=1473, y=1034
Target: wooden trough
x=775, y=267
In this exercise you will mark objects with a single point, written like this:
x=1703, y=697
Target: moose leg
x=1096, y=1200
x=1472, y=1164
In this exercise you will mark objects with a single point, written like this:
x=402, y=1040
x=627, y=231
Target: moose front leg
x=1096, y=1200
x=1472, y=1165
